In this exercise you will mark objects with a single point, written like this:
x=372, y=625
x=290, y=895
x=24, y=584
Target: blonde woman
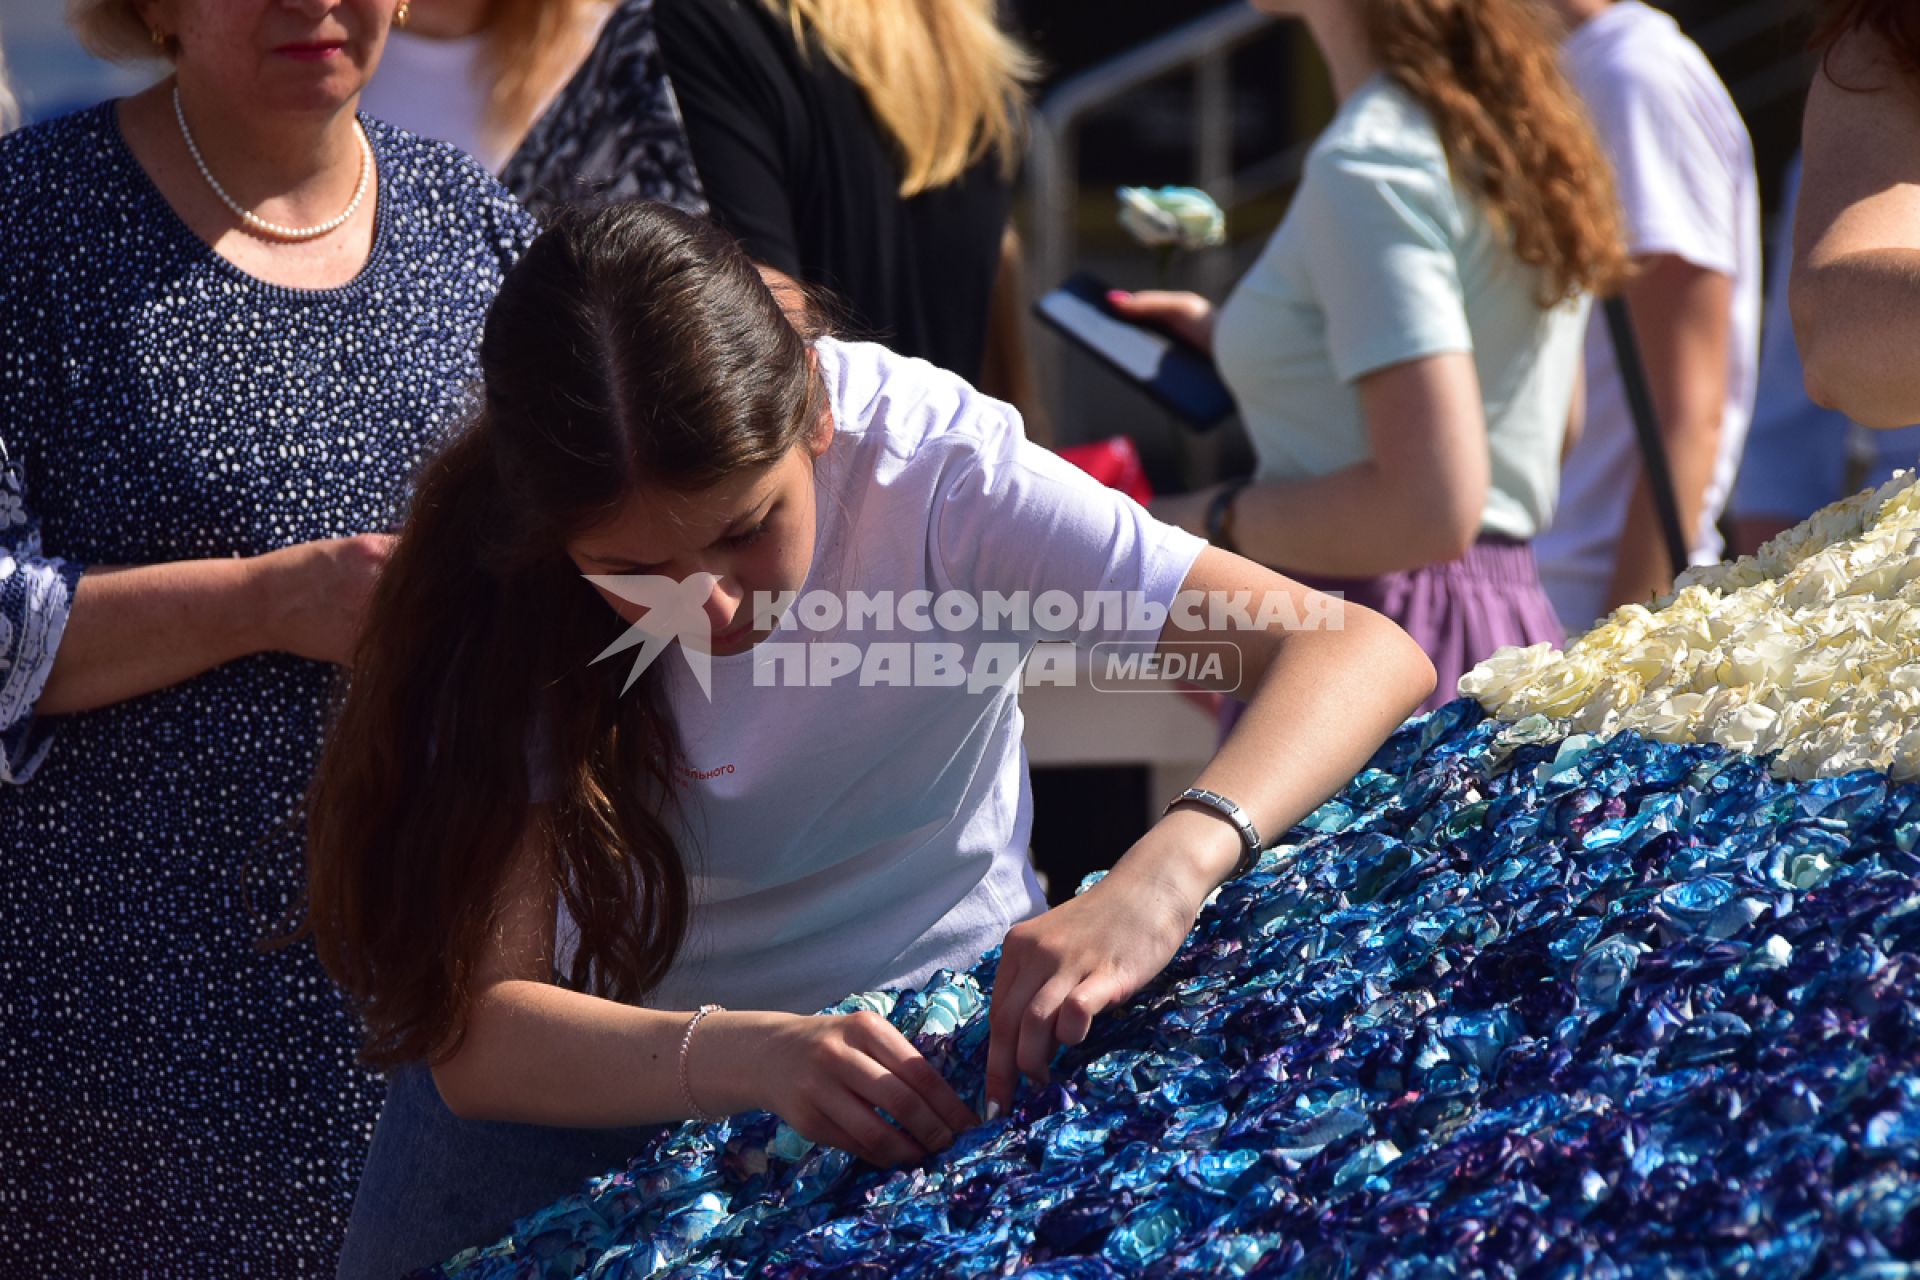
x=477, y=73
x=867, y=146
x=233, y=313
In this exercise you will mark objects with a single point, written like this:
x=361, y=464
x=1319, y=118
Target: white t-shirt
x=1687, y=185
x=845, y=837
x=1383, y=259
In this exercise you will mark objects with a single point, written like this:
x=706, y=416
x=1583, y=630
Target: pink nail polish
x=1118, y=295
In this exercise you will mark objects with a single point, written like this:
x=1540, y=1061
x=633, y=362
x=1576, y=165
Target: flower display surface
x=1519, y=1000
x=1808, y=652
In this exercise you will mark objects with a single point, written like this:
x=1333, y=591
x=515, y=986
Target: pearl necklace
x=260, y=226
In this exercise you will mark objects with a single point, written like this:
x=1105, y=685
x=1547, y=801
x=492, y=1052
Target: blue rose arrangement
x=1518, y=1001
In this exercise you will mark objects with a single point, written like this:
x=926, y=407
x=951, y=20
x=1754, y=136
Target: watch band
x=1234, y=814
x=1220, y=516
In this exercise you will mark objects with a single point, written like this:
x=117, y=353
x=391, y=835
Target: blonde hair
x=114, y=30
x=1515, y=132
x=943, y=79
x=529, y=45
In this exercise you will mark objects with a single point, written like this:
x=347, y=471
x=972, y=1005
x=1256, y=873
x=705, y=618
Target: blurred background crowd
x=1462, y=444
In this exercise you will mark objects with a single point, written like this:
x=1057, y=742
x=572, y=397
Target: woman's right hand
x=1187, y=316
x=316, y=595
x=830, y=1078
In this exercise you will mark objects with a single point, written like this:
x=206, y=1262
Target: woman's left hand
x=1059, y=970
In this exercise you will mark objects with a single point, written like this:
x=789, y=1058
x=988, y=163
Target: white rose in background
x=1180, y=217
x=1172, y=220
x=1808, y=651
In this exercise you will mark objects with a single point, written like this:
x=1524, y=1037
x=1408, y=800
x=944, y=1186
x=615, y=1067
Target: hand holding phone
x=1162, y=362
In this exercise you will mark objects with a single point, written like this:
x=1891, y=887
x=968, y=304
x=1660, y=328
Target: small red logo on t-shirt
x=689, y=775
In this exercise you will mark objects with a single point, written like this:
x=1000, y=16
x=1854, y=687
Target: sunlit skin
x=753, y=531
x=275, y=55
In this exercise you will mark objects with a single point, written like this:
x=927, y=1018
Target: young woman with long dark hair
x=526, y=876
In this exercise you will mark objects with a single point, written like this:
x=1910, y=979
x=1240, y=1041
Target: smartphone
x=1176, y=374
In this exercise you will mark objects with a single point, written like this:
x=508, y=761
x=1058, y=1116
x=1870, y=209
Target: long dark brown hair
x=1895, y=21
x=1516, y=135
x=632, y=350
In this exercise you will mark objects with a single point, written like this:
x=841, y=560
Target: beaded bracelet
x=700, y=1113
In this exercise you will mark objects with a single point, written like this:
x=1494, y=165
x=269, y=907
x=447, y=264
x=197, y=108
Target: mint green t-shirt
x=1383, y=259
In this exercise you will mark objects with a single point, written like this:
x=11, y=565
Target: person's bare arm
x=132, y=630
x=538, y=1053
x=1323, y=699
x=1683, y=319
x=1417, y=500
x=1856, y=269
x=1576, y=414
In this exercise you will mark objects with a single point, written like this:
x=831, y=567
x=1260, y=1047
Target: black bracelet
x=1220, y=516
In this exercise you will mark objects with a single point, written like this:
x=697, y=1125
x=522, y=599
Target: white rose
x=1812, y=677
x=1674, y=719
x=1817, y=580
x=1753, y=728
x=1495, y=682
x=1609, y=702
x=1561, y=689
x=1624, y=627
x=1759, y=660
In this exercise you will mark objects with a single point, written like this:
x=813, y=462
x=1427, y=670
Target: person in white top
x=478, y=73
x=1692, y=210
x=525, y=874
x=1856, y=265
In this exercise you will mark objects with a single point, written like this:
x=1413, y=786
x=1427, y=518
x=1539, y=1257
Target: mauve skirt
x=1459, y=611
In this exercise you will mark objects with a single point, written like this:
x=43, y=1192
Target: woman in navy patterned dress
x=206, y=426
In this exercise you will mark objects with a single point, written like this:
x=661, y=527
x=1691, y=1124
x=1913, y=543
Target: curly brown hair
x=1895, y=21
x=1516, y=134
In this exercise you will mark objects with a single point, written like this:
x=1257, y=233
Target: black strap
x=1646, y=426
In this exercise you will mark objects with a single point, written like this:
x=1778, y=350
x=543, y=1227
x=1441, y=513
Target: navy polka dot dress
x=174, y=1100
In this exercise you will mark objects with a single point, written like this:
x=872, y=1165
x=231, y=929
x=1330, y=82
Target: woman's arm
x=1856, y=271
x=1417, y=500
x=1683, y=315
x=133, y=630
x=1576, y=414
x=536, y=1053
x=1326, y=693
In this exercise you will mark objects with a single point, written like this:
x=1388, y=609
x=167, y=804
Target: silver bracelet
x=1235, y=816
x=700, y=1113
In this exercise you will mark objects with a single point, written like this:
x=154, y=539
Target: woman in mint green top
x=1405, y=351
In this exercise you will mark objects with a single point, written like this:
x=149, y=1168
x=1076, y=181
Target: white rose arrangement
x=1808, y=651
